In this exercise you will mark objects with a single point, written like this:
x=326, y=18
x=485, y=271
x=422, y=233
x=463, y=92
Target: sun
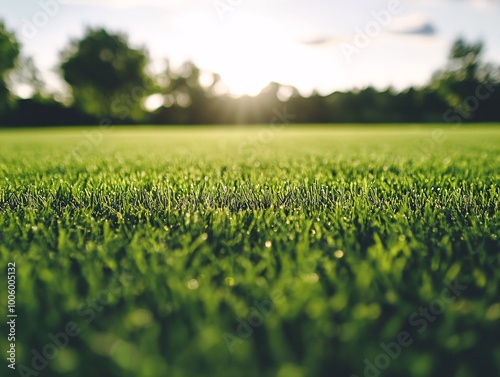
x=245, y=55
x=249, y=51
x=239, y=87
x=246, y=80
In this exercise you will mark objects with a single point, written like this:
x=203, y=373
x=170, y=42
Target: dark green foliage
x=9, y=52
x=106, y=76
x=464, y=74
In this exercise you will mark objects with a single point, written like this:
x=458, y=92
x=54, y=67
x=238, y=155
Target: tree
x=9, y=52
x=185, y=99
x=107, y=77
x=464, y=73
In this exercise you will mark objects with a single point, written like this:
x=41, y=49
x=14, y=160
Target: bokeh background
x=231, y=62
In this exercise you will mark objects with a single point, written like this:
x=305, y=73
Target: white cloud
x=123, y=4
x=413, y=23
x=479, y=4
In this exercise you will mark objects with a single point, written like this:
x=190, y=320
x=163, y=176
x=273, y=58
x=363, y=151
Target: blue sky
x=310, y=44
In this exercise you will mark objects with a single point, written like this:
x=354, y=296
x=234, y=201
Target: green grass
x=341, y=237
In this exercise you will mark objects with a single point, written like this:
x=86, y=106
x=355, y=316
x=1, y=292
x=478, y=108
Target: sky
x=321, y=45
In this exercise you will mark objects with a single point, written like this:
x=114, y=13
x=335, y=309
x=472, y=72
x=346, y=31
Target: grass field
x=289, y=252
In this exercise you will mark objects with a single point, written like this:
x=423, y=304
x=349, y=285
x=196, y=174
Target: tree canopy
x=9, y=53
x=107, y=77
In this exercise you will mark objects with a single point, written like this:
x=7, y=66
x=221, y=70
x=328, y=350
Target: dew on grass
x=312, y=278
x=493, y=312
x=193, y=284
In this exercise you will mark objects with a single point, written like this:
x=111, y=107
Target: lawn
x=266, y=251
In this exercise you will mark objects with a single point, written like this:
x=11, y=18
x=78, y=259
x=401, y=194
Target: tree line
x=109, y=82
